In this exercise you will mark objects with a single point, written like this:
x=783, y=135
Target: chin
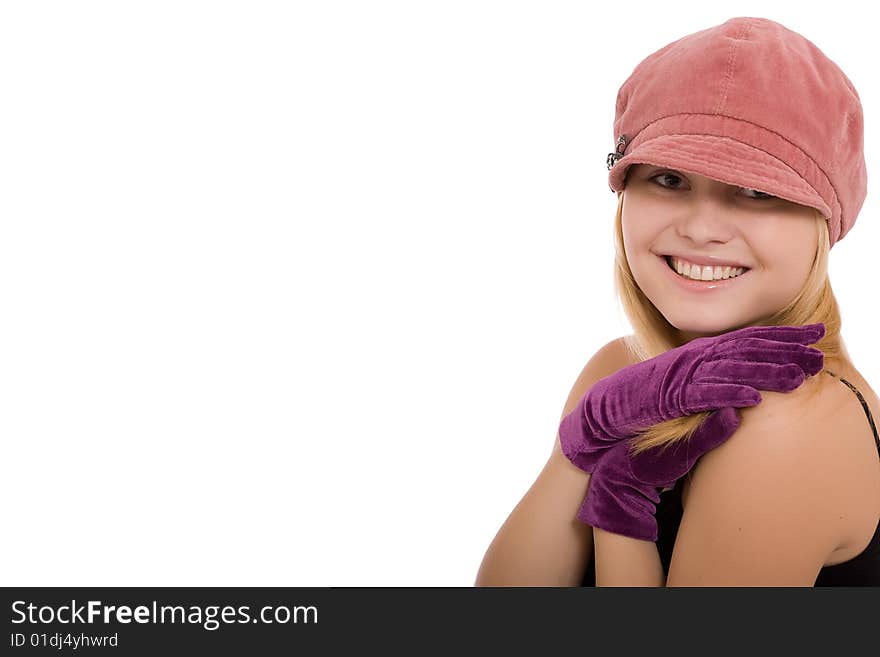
x=708, y=329
x=703, y=328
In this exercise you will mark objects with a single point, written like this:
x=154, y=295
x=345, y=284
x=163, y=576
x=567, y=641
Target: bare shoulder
x=854, y=486
x=625, y=356
x=785, y=495
x=822, y=425
x=819, y=429
x=820, y=422
x=607, y=360
x=790, y=428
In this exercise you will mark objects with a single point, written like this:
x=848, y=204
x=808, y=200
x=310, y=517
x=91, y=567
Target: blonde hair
x=654, y=335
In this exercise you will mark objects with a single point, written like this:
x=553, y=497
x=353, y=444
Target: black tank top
x=861, y=570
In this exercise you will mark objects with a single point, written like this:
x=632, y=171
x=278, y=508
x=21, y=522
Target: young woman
x=715, y=446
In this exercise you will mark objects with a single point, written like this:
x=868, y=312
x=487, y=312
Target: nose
x=708, y=218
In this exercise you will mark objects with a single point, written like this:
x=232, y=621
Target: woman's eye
x=763, y=195
x=759, y=196
x=665, y=175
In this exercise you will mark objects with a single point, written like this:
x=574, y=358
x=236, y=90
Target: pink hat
x=748, y=103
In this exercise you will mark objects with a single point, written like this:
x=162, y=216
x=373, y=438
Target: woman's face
x=668, y=211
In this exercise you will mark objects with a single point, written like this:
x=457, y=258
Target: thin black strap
x=864, y=405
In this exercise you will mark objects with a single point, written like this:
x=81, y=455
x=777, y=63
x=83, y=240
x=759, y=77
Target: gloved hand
x=624, y=490
x=708, y=373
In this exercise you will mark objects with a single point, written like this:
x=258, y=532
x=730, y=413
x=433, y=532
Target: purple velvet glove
x=708, y=373
x=624, y=490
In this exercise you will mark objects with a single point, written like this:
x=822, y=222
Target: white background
x=293, y=293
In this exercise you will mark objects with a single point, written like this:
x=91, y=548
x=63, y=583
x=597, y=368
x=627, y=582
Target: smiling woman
x=708, y=429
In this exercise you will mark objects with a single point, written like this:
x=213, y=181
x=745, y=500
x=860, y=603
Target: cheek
x=785, y=248
x=793, y=268
x=640, y=231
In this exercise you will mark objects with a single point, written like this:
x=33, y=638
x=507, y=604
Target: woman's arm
x=542, y=543
x=625, y=561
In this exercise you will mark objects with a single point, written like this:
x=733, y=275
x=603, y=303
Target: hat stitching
x=731, y=63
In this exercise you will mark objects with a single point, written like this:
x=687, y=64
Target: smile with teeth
x=705, y=273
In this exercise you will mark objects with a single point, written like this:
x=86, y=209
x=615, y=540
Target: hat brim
x=721, y=158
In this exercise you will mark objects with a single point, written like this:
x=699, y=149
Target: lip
x=700, y=286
